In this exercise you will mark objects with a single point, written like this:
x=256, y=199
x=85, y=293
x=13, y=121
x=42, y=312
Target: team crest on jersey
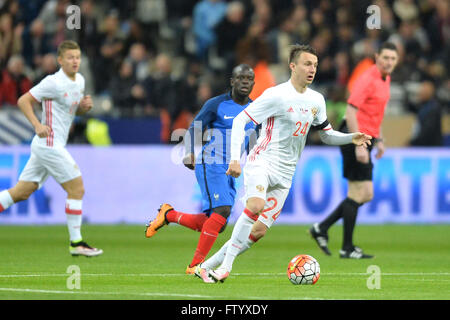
x=290, y=109
x=260, y=188
x=314, y=111
x=216, y=196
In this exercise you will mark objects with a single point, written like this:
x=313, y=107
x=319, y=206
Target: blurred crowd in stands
x=165, y=58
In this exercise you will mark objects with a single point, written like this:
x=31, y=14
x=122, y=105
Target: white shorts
x=261, y=182
x=45, y=161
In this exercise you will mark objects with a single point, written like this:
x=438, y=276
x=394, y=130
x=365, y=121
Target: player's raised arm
x=25, y=104
x=337, y=138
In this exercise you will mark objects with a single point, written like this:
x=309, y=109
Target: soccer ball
x=303, y=269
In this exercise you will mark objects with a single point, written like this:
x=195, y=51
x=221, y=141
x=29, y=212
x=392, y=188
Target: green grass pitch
x=414, y=261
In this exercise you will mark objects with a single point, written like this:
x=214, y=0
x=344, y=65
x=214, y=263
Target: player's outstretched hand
x=189, y=161
x=86, y=103
x=42, y=131
x=361, y=139
x=234, y=169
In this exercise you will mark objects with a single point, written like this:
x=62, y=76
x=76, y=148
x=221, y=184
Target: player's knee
x=223, y=227
x=255, y=206
x=224, y=211
x=77, y=193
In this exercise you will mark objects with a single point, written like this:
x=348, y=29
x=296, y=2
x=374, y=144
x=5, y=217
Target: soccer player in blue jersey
x=218, y=189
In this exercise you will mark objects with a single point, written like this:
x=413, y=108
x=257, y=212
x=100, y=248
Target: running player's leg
x=258, y=231
x=20, y=192
x=167, y=214
x=220, y=192
x=63, y=168
x=32, y=177
x=276, y=196
x=256, y=179
x=74, y=210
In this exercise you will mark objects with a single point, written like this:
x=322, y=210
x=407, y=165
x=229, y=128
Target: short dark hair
x=297, y=49
x=387, y=45
x=67, y=45
x=242, y=67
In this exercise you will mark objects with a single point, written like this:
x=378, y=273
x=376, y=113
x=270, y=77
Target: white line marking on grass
x=162, y=275
x=146, y=294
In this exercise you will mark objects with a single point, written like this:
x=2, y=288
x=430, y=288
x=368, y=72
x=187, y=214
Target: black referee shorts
x=354, y=170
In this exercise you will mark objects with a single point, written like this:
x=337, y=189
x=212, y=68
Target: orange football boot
x=159, y=221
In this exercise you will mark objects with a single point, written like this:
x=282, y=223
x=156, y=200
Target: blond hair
x=67, y=45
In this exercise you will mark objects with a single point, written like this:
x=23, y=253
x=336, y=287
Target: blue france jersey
x=216, y=117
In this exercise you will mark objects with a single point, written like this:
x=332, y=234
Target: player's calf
x=22, y=190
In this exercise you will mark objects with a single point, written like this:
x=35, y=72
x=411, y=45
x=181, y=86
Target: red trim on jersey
x=34, y=97
x=250, y=117
x=47, y=121
x=48, y=114
x=52, y=134
x=327, y=129
x=265, y=142
x=1, y=208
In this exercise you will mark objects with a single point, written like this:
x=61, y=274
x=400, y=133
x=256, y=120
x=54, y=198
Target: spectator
x=428, y=130
x=150, y=14
x=179, y=21
x=188, y=86
x=160, y=89
x=438, y=29
x=10, y=38
x=254, y=50
x=35, y=43
x=88, y=35
x=121, y=89
x=137, y=34
x=281, y=37
x=14, y=82
x=47, y=66
x=139, y=59
x=53, y=15
x=229, y=31
x=207, y=14
x=109, y=52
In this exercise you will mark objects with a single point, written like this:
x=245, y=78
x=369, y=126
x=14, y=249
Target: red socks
x=209, y=228
x=208, y=236
x=191, y=221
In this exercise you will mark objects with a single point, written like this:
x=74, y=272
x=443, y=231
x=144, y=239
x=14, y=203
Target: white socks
x=238, y=241
x=5, y=200
x=73, y=213
x=217, y=259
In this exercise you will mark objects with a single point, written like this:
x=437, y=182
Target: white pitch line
x=147, y=294
x=234, y=274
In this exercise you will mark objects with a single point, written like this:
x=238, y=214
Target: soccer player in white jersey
x=62, y=97
x=286, y=112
